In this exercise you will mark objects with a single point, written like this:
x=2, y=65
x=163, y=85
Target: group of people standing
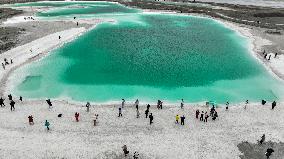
x=6, y=62
x=11, y=102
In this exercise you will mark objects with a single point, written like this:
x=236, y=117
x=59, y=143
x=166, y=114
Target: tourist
x=6, y=61
x=136, y=155
x=47, y=124
x=212, y=110
x=263, y=102
x=31, y=120
x=269, y=152
x=262, y=139
x=269, y=57
x=59, y=37
x=11, y=61
x=77, y=117
x=215, y=115
x=151, y=118
x=246, y=104
x=137, y=113
x=273, y=104
x=206, y=117
x=275, y=55
x=88, y=106
x=12, y=103
x=125, y=151
x=2, y=102
x=21, y=98
x=122, y=103
x=10, y=97
x=182, y=120
x=119, y=112
x=265, y=56
x=146, y=112
x=227, y=105
x=197, y=113
x=201, y=116
x=136, y=103
x=181, y=104
x=77, y=23
x=177, y=119
x=3, y=66
x=49, y=103
x=95, y=119
x=159, y=104
x=148, y=106
x=74, y=18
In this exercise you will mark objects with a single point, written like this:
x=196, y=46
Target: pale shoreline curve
x=29, y=52
x=28, y=57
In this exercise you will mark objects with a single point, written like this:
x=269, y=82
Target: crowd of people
x=199, y=115
x=5, y=63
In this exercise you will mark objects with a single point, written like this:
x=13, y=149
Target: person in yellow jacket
x=177, y=118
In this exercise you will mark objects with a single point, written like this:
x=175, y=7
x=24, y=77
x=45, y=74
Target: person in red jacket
x=77, y=116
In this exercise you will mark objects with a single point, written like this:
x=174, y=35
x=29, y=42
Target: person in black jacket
x=151, y=118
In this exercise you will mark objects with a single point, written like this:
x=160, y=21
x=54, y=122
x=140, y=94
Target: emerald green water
x=150, y=57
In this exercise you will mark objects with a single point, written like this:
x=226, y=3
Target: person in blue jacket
x=47, y=124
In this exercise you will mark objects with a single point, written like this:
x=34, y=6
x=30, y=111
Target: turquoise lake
x=147, y=56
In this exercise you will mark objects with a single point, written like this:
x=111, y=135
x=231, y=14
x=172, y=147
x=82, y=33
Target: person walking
x=10, y=97
x=206, y=117
x=273, y=104
x=262, y=139
x=77, y=116
x=197, y=113
x=31, y=120
x=269, y=152
x=3, y=66
x=212, y=110
x=215, y=115
x=119, y=112
x=181, y=104
x=151, y=118
x=136, y=155
x=47, y=124
x=21, y=98
x=177, y=119
x=49, y=103
x=12, y=104
x=247, y=102
x=146, y=112
x=125, y=151
x=2, y=102
x=182, y=120
x=201, y=116
x=227, y=105
x=148, y=106
x=137, y=113
x=136, y=103
x=122, y=103
x=88, y=106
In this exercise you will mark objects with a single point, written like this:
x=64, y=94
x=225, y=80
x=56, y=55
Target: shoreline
x=242, y=31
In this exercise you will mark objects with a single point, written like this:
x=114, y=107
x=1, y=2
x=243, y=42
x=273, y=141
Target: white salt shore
x=163, y=139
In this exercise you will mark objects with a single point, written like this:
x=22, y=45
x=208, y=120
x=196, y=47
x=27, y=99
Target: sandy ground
x=164, y=139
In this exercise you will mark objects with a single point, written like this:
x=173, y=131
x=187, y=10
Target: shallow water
x=150, y=57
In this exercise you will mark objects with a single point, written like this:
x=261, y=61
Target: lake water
x=147, y=56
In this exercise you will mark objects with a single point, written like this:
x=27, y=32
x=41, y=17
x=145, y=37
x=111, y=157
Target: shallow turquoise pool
x=150, y=57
